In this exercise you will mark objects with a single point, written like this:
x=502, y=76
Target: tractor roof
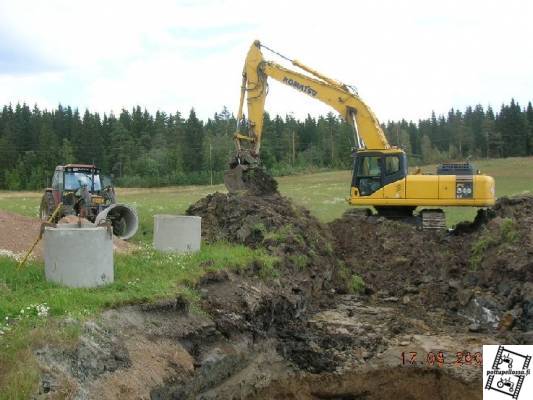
x=86, y=167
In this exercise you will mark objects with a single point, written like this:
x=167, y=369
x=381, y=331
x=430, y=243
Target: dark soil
x=303, y=245
x=259, y=182
x=483, y=270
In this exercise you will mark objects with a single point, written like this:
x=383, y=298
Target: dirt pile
x=259, y=182
x=484, y=272
x=302, y=244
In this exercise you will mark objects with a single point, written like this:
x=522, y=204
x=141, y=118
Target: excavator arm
x=367, y=131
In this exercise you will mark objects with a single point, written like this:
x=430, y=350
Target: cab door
x=373, y=171
x=57, y=186
x=393, y=176
x=368, y=176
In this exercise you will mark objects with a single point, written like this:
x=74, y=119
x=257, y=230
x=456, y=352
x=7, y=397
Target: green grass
x=323, y=193
x=506, y=234
x=144, y=276
x=357, y=284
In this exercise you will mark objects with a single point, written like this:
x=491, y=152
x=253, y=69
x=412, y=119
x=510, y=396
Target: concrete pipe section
x=123, y=218
x=78, y=256
x=177, y=233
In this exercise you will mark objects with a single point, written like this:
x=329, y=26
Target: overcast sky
x=406, y=58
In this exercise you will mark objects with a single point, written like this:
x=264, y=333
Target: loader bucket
x=123, y=218
x=233, y=179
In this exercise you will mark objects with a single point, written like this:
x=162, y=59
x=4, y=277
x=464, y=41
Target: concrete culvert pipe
x=123, y=218
x=78, y=256
x=177, y=233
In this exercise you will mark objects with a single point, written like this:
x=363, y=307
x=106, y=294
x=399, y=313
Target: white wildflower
x=42, y=310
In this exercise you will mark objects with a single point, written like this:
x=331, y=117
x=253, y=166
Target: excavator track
x=433, y=219
x=426, y=219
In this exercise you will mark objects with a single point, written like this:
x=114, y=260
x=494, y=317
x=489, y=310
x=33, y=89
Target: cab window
x=392, y=165
x=370, y=166
x=368, y=174
x=75, y=180
x=55, y=180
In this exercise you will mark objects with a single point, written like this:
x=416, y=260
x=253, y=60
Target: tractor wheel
x=47, y=207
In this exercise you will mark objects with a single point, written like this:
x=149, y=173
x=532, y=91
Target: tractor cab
x=82, y=185
x=80, y=188
x=373, y=169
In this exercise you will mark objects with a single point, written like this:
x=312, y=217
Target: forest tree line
x=142, y=149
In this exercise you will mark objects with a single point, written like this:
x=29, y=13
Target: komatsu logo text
x=299, y=86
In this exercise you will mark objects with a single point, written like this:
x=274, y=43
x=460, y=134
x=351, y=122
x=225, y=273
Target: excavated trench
x=362, y=308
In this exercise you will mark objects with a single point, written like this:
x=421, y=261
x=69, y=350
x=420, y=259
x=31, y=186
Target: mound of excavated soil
x=483, y=273
x=259, y=182
x=18, y=233
x=299, y=240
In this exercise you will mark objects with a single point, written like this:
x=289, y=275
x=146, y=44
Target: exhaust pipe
x=123, y=218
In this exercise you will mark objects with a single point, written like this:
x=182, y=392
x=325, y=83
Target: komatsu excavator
x=380, y=171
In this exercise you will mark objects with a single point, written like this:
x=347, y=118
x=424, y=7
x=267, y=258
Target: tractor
x=82, y=191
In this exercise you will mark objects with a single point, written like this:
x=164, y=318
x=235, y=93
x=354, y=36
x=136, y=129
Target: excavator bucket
x=251, y=179
x=233, y=179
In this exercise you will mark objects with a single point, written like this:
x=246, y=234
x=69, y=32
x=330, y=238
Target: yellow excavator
x=380, y=171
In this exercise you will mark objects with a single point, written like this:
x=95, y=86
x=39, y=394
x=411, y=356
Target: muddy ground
x=19, y=232
x=338, y=317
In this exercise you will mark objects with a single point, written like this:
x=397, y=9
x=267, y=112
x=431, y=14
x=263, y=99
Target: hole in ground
x=402, y=383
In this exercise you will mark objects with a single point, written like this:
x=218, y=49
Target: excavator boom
x=254, y=89
x=337, y=95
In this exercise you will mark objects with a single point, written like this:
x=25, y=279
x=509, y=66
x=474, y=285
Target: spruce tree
x=193, y=148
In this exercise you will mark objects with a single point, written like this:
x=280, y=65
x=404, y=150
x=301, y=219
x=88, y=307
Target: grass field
x=323, y=193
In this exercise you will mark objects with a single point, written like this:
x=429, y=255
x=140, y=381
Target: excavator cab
x=373, y=169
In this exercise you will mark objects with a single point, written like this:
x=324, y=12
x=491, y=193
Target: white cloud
x=406, y=58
